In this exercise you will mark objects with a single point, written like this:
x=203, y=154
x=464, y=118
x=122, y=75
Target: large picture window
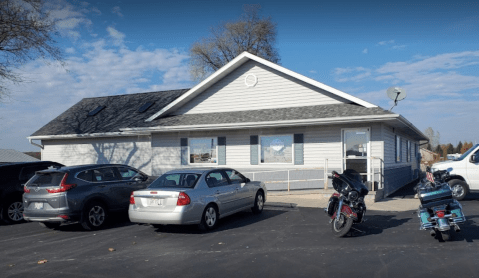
x=203, y=150
x=277, y=149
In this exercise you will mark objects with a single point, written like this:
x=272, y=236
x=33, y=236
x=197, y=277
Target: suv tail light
x=132, y=199
x=63, y=186
x=183, y=199
x=25, y=189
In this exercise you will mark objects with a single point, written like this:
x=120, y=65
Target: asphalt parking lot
x=281, y=242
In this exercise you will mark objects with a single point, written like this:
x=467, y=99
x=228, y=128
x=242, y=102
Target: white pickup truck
x=464, y=172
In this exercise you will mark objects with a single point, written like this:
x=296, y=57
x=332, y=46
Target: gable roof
x=8, y=156
x=234, y=64
x=121, y=111
x=265, y=116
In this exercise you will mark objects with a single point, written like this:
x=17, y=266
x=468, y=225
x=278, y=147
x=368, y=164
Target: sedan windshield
x=183, y=180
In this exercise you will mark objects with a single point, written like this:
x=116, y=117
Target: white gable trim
x=234, y=64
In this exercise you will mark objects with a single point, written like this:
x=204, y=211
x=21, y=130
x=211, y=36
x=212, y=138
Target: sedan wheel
x=258, y=203
x=209, y=219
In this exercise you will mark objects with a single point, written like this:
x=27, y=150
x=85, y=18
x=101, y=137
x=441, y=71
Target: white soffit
x=234, y=64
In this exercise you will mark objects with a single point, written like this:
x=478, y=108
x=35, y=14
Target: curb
x=281, y=205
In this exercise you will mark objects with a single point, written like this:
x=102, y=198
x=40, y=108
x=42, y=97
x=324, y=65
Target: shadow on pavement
x=376, y=224
x=238, y=220
x=469, y=230
x=115, y=220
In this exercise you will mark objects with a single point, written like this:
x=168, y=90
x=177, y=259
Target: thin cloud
x=116, y=35
x=365, y=51
x=386, y=42
x=116, y=10
x=100, y=71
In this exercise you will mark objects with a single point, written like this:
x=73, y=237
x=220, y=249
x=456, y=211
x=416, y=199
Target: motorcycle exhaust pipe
x=457, y=229
x=432, y=232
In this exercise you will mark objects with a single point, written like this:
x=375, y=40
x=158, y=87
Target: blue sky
x=430, y=48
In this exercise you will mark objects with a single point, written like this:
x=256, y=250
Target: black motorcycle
x=346, y=206
x=438, y=211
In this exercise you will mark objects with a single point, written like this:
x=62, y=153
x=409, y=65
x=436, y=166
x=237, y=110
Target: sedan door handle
x=217, y=192
x=102, y=185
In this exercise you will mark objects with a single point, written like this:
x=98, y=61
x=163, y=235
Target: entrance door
x=356, y=151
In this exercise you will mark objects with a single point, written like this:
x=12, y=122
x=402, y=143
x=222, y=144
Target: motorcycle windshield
x=354, y=179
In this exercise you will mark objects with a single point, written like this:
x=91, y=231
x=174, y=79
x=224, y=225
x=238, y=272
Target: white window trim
x=408, y=147
x=276, y=163
x=398, y=149
x=189, y=154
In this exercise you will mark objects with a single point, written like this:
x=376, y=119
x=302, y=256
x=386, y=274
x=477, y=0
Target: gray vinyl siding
x=398, y=174
x=273, y=90
x=320, y=143
x=134, y=151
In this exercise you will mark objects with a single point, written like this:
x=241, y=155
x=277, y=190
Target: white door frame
x=368, y=146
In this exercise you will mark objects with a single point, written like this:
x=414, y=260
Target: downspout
x=35, y=144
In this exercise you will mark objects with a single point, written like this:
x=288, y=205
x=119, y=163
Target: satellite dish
x=396, y=94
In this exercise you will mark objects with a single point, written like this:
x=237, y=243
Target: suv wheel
x=94, y=216
x=12, y=212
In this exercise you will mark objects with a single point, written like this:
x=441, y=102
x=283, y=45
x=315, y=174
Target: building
x=252, y=115
x=12, y=156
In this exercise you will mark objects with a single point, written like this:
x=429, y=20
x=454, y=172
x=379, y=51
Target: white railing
x=326, y=170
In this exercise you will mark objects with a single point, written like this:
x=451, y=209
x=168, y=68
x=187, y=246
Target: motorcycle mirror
x=449, y=169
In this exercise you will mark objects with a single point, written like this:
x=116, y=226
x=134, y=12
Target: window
x=145, y=106
x=187, y=180
x=86, y=175
x=398, y=149
x=105, y=174
x=235, y=177
x=203, y=150
x=408, y=150
x=277, y=149
x=216, y=178
x=127, y=173
x=96, y=110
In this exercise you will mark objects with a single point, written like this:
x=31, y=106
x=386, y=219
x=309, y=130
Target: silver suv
x=85, y=194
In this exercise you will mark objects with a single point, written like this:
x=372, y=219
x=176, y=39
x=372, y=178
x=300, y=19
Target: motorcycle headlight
x=353, y=195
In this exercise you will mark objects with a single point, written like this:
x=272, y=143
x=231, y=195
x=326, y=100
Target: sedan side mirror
x=247, y=180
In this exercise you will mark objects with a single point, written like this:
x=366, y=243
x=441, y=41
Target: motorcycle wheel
x=446, y=235
x=341, y=228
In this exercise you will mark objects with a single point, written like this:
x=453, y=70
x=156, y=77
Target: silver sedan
x=196, y=196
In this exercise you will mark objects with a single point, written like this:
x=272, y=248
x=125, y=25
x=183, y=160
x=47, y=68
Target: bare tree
x=251, y=33
x=434, y=137
x=26, y=33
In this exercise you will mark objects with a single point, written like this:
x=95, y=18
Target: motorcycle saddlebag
x=431, y=197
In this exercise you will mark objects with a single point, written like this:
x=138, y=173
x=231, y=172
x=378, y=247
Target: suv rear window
x=183, y=180
x=47, y=179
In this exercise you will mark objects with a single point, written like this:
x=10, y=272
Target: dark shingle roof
x=267, y=115
x=7, y=156
x=120, y=112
